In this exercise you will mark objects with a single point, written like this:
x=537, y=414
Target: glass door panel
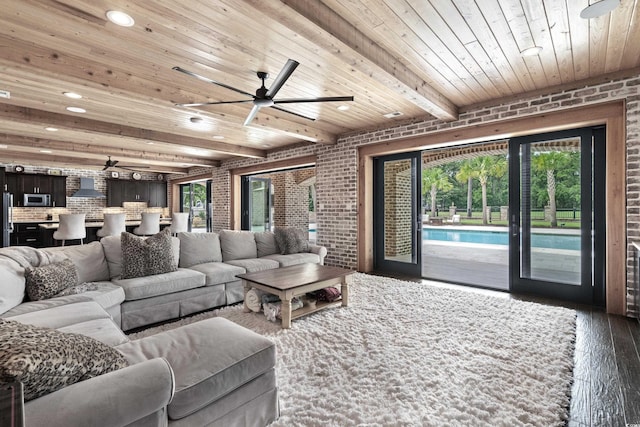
x=195, y=198
x=257, y=205
x=552, y=216
x=398, y=228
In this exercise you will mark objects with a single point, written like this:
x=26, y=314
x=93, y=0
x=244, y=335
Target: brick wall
x=336, y=167
x=397, y=212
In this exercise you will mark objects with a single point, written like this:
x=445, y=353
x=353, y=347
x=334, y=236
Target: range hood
x=87, y=189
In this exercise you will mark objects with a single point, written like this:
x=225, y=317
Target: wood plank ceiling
x=422, y=58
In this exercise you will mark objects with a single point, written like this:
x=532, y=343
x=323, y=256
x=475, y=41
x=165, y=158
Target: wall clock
x=136, y=176
x=115, y=174
x=19, y=169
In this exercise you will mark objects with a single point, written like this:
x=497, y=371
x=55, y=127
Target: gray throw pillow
x=46, y=281
x=46, y=360
x=291, y=240
x=147, y=257
x=198, y=248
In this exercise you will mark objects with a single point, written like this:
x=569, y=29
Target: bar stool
x=71, y=227
x=114, y=224
x=179, y=222
x=149, y=225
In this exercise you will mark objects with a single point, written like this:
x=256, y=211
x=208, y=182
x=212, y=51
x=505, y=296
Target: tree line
x=483, y=181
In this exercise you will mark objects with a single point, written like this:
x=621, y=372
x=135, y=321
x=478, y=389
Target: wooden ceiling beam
x=45, y=118
x=130, y=156
x=334, y=34
x=55, y=161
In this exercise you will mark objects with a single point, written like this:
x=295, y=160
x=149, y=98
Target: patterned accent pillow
x=46, y=281
x=46, y=360
x=147, y=257
x=291, y=240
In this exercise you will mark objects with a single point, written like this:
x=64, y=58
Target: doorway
x=534, y=221
x=195, y=198
x=257, y=204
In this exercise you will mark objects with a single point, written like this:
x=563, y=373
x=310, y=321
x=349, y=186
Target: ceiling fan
x=113, y=164
x=264, y=97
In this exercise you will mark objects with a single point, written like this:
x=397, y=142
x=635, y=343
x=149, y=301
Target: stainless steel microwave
x=34, y=200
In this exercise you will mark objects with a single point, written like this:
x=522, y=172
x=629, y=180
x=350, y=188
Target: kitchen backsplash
x=133, y=210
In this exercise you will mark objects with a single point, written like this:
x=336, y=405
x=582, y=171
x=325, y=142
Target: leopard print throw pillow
x=147, y=257
x=291, y=240
x=46, y=281
x=46, y=360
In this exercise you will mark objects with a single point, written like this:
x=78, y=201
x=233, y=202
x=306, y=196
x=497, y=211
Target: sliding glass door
x=195, y=198
x=554, y=253
x=397, y=219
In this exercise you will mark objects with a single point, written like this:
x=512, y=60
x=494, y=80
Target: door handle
x=514, y=230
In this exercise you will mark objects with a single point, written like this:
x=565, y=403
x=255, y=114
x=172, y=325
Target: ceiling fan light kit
x=264, y=97
x=599, y=8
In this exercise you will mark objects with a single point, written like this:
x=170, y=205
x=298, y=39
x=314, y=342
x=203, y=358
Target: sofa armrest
x=321, y=251
x=117, y=398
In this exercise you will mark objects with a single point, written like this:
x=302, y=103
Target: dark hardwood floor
x=606, y=373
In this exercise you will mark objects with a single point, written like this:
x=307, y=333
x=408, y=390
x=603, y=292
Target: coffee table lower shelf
x=320, y=305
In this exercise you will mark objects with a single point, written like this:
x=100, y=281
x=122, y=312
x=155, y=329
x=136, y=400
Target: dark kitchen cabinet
x=154, y=193
x=27, y=234
x=20, y=184
x=157, y=194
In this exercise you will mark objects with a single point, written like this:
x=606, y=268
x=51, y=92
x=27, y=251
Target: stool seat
x=149, y=225
x=71, y=227
x=114, y=224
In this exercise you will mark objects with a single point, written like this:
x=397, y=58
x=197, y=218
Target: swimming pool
x=538, y=240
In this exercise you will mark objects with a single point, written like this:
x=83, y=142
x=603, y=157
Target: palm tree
x=483, y=168
x=465, y=173
x=435, y=179
x=549, y=163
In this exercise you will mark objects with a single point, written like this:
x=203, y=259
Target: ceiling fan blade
x=205, y=79
x=252, y=115
x=200, y=104
x=106, y=167
x=326, y=99
x=285, y=73
x=295, y=114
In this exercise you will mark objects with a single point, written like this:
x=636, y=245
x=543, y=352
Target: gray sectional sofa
x=211, y=372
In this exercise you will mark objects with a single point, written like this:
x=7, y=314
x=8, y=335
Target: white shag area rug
x=410, y=354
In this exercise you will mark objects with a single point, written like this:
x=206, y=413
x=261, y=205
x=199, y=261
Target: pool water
x=538, y=240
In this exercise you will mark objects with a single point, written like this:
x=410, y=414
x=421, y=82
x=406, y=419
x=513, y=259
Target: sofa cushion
x=146, y=257
x=46, y=281
x=113, y=253
x=266, y=243
x=216, y=357
x=160, y=284
x=198, y=248
x=237, y=245
x=89, y=260
x=294, y=259
x=46, y=360
x=255, y=264
x=218, y=272
x=291, y=240
x=12, y=289
x=58, y=312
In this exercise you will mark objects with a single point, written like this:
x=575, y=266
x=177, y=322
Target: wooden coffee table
x=297, y=280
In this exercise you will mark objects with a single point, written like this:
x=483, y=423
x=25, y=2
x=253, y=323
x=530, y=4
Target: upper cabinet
x=154, y=193
x=20, y=184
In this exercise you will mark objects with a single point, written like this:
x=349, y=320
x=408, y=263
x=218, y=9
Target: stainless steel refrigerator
x=7, y=218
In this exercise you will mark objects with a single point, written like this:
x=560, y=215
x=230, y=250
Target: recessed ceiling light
x=120, y=18
x=46, y=151
x=4, y=146
x=76, y=110
x=393, y=114
x=218, y=137
x=51, y=129
x=532, y=51
x=72, y=95
x=343, y=107
x=599, y=8
x=266, y=145
x=150, y=142
x=195, y=119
